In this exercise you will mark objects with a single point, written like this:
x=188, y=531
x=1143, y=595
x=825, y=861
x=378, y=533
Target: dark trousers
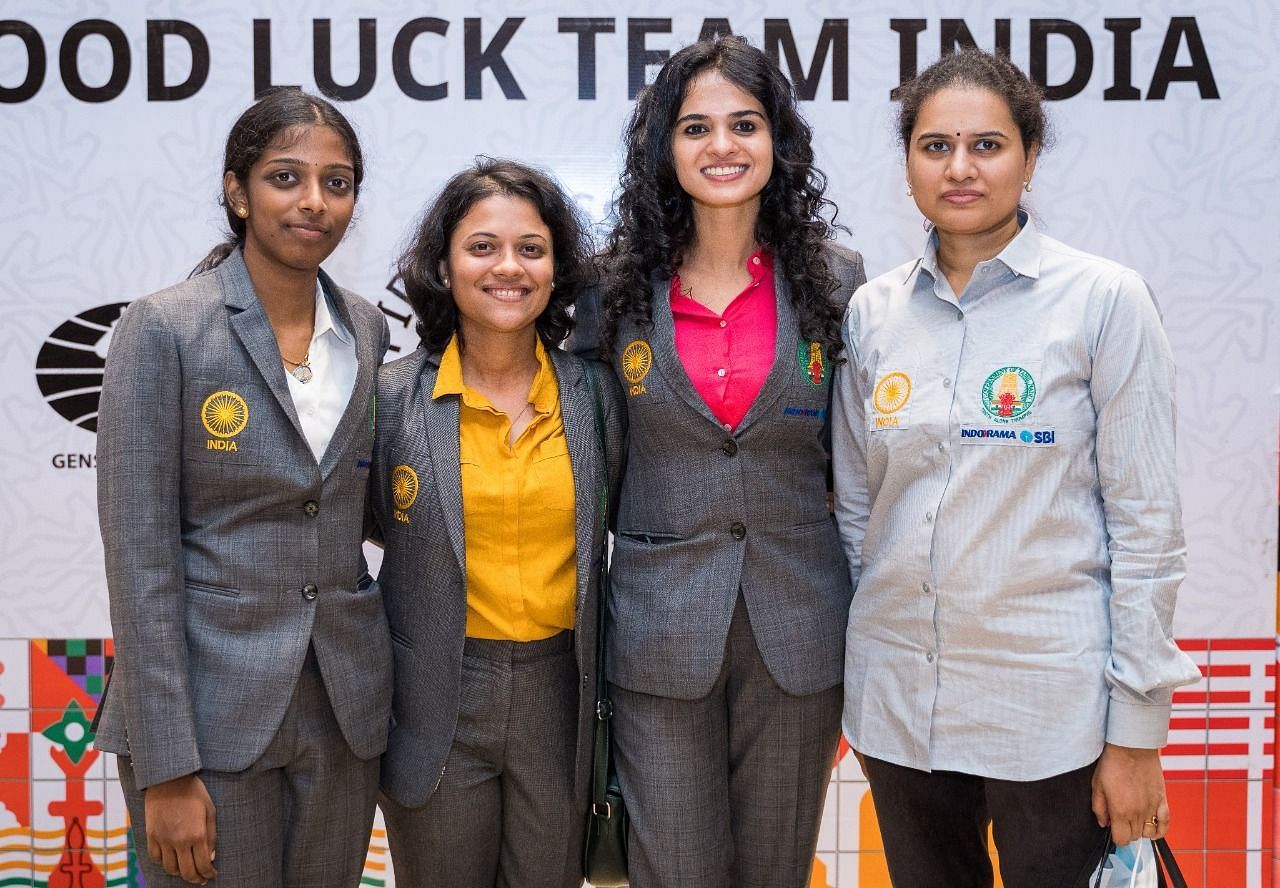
x=934, y=826
x=504, y=814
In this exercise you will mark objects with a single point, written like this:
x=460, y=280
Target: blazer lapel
x=358, y=406
x=577, y=413
x=249, y=323
x=786, y=347
x=664, y=347
x=442, y=421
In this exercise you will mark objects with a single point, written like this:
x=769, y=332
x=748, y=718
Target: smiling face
x=298, y=197
x=965, y=162
x=721, y=144
x=500, y=266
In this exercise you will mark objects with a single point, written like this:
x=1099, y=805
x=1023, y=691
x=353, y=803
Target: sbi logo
x=70, y=363
x=1029, y=437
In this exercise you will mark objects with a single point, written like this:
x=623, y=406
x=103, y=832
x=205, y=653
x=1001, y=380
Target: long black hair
x=418, y=270
x=276, y=111
x=654, y=216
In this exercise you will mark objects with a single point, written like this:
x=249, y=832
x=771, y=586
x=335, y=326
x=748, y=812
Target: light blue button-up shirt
x=1007, y=498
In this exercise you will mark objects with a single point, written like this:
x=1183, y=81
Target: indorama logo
x=70, y=364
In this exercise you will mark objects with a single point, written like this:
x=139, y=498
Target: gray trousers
x=504, y=815
x=726, y=790
x=299, y=817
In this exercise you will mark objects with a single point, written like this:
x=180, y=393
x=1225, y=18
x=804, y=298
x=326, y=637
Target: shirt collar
x=1021, y=255
x=326, y=320
x=544, y=393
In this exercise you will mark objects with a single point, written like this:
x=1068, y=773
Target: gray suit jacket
x=423, y=573
x=704, y=511
x=228, y=549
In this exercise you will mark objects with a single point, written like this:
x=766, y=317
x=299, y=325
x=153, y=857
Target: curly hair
x=654, y=223
x=418, y=269
x=974, y=68
x=276, y=112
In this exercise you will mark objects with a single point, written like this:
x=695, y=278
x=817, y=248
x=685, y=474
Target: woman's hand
x=181, y=833
x=1128, y=792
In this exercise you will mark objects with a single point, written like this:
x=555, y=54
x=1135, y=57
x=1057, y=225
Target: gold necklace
x=299, y=370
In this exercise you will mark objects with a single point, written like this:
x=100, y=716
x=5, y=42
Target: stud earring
x=1026, y=186
x=909, y=194
x=242, y=212
x=445, y=280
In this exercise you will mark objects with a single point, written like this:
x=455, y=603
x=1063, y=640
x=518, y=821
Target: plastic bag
x=1128, y=866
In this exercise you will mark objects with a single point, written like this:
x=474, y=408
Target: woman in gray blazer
x=720, y=312
x=250, y=695
x=489, y=474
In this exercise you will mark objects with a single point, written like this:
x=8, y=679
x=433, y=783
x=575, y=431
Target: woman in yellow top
x=487, y=479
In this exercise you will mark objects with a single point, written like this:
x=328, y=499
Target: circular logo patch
x=404, y=487
x=637, y=359
x=892, y=393
x=1008, y=394
x=224, y=414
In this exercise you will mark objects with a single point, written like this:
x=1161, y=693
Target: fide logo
x=69, y=364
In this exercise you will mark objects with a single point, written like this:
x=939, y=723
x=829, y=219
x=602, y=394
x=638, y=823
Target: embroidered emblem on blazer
x=224, y=415
x=404, y=491
x=637, y=360
x=812, y=362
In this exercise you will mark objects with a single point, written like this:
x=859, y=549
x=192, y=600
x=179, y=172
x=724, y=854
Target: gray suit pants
x=503, y=815
x=726, y=790
x=299, y=817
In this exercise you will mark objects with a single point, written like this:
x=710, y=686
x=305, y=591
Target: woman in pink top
x=720, y=310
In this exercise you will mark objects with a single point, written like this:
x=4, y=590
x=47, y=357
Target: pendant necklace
x=299, y=370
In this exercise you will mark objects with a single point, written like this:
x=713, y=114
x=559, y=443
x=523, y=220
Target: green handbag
x=604, y=854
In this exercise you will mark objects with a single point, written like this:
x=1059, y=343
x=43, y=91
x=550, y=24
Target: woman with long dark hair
x=251, y=689
x=490, y=471
x=1007, y=496
x=720, y=310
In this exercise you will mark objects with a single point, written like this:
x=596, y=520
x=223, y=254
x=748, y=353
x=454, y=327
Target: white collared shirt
x=1007, y=497
x=322, y=401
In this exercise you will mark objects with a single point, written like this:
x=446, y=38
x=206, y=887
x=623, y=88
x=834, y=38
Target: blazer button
x=730, y=447
x=738, y=529
x=312, y=508
x=309, y=592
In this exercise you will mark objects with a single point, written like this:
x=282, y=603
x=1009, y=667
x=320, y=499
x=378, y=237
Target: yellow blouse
x=517, y=510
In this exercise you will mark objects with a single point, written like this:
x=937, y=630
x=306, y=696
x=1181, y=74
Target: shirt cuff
x=1139, y=725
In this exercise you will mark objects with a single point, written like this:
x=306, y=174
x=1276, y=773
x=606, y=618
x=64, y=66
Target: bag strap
x=604, y=708
x=1165, y=853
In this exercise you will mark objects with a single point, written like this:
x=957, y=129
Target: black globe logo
x=70, y=364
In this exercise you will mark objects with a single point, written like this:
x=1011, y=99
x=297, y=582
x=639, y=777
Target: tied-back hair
x=276, y=112
x=418, y=269
x=976, y=69
x=654, y=223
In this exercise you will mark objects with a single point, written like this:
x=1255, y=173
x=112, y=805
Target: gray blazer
x=229, y=551
x=704, y=511
x=423, y=573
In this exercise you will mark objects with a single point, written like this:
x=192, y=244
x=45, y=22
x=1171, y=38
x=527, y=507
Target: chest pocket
x=550, y=482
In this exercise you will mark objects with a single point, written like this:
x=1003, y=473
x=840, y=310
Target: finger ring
x=1154, y=819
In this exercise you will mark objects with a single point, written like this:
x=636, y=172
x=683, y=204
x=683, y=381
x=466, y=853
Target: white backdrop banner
x=113, y=117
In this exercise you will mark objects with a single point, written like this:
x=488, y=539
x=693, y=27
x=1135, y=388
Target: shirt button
x=724, y=323
x=942, y=446
x=959, y=315
x=946, y=383
x=926, y=588
x=312, y=508
x=730, y=447
x=929, y=656
x=738, y=530
x=309, y=592
x=755, y=260
x=727, y=427
x=928, y=516
x=720, y=372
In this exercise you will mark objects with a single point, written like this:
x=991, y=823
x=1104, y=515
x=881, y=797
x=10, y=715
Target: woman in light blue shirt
x=1007, y=497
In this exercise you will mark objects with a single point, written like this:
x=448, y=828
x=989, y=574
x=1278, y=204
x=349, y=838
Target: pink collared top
x=729, y=356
